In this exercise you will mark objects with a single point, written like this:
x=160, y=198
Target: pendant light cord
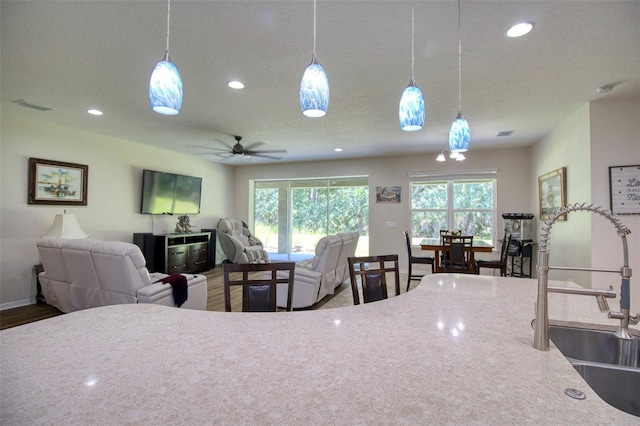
x=459, y=64
x=168, y=22
x=314, y=31
x=412, y=41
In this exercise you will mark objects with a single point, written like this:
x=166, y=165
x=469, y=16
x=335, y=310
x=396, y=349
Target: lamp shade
x=165, y=88
x=459, y=135
x=66, y=226
x=411, y=111
x=314, y=91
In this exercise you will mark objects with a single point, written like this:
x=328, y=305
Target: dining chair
x=457, y=254
x=420, y=260
x=497, y=264
x=372, y=273
x=259, y=282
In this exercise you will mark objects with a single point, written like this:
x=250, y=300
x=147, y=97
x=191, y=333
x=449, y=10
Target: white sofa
x=85, y=273
x=318, y=277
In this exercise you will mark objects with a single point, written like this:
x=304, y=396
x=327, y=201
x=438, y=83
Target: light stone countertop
x=454, y=350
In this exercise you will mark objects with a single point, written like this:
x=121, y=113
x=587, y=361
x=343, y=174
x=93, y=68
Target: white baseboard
x=17, y=304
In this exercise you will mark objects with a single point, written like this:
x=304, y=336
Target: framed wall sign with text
x=624, y=184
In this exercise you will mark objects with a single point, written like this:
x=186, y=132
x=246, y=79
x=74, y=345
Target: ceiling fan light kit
x=314, y=87
x=411, y=111
x=458, y=156
x=165, y=84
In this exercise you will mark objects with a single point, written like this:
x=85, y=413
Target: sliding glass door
x=290, y=216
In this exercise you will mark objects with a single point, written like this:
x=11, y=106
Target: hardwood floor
x=215, y=302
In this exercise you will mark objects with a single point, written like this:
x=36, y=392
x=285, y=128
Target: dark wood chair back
x=423, y=260
x=259, y=283
x=497, y=264
x=372, y=273
x=457, y=254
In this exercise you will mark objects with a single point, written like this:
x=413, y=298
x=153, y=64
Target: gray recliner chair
x=239, y=244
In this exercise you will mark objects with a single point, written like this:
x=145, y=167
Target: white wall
x=601, y=134
x=615, y=141
x=567, y=146
x=115, y=181
x=513, y=178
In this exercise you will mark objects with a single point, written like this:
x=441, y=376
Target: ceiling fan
x=238, y=150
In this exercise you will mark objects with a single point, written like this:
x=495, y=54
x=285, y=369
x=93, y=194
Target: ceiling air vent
x=505, y=133
x=24, y=103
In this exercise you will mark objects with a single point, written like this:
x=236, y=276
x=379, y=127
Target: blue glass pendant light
x=165, y=85
x=460, y=133
x=411, y=111
x=314, y=87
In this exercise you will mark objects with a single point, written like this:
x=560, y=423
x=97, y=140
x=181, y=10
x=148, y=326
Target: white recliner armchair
x=315, y=277
x=239, y=244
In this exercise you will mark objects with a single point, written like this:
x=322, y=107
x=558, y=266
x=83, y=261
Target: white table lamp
x=66, y=226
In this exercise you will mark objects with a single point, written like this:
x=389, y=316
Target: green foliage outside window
x=470, y=208
x=318, y=207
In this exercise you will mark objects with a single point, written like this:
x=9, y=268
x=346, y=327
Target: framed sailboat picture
x=57, y=182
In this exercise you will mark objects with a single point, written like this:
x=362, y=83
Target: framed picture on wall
x=57, y=182
x=388, y=194
x=552, y=192
x=624, y=189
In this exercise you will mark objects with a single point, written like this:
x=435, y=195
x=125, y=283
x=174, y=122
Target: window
x=290, y=216
x=465, y=203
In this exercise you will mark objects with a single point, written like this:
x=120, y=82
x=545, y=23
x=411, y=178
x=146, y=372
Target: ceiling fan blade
x=208, y=147
x=253, y=145
x=262, y=155
x=268, y=151
x=229, y=147
x=224, y=155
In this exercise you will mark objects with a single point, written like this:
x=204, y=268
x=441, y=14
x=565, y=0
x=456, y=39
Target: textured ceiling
x=73, y=55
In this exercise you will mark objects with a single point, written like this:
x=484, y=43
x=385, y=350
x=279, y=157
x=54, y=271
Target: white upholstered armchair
x=239, y=244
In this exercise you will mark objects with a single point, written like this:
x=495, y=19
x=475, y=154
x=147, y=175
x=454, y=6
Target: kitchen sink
x=595, y=346
x=611, y=366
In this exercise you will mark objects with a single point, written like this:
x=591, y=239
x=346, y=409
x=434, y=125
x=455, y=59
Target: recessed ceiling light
x=235, y=84
x=94, y=111
x=520, y=29
x=338, y=149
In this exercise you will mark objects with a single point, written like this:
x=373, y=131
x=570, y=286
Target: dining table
x=435, y=244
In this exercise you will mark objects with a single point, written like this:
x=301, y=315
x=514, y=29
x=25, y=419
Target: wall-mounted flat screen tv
x=169, y=193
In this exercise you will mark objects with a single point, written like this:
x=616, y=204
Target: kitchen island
x=457, y=349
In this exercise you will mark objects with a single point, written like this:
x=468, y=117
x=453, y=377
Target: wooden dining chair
x=420, y=260
x=497, y=264
x=372, y=272
x=259, y=282
x=457, y=254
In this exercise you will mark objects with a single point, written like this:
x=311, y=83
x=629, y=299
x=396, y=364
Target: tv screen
x=169, y=193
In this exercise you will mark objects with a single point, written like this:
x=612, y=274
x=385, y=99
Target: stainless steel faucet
x=541, y=335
